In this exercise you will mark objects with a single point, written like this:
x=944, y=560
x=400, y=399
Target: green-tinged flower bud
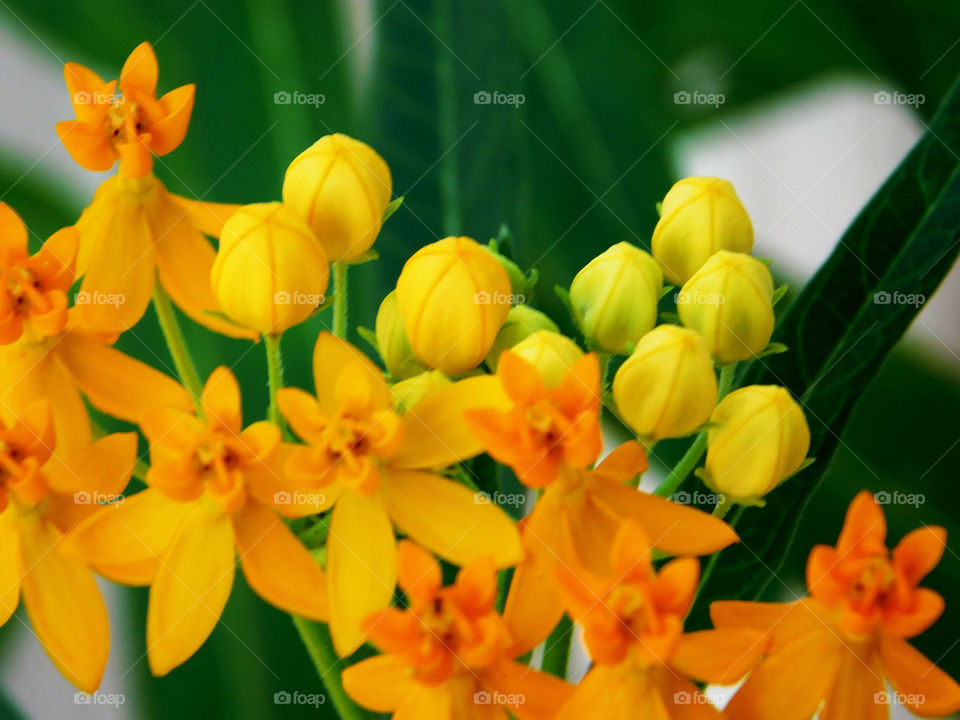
x=518, y=281
x=667, y=387
x=700, y=215
x=407, y=393
x=453, y=297
x=760, y=439
x=730, y=302
x=550, y=353
x=614, y=297
x=522, y=321
x=270, y=272
x=342, y=187
x=392, y=341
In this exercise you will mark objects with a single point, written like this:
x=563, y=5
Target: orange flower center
x=125, y=121
x=350, y=444
x=20, y=476
x=869, y=590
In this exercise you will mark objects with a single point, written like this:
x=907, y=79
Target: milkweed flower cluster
x=354, y=499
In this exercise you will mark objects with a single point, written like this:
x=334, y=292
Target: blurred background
x=565, y=121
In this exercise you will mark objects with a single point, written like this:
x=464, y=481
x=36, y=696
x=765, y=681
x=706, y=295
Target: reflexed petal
x=541, y=695
x=75, y=634
x=207, y=217
x=116, y=383
x=435, y=433
x=379, y=683
x=718, y=656
x=856, y=691
x=191, y=588
x=613, y=693
x=361, y=566
x=277, y=565
x=783, y=622
x=447, y=518
x=924, y=688
x=624, y=462
x=790, y=684
x=11, y=565
x=426, y=702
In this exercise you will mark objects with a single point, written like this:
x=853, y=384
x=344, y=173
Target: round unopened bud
x=614, y=297
x=730, y=302
x=760, y=439
x=550, y=353
x=667, y=387
x=699, y=216
x=392, y=341
x=407, y=393
x=270, y=272
x=522, y=321
x=453, y=297
x=341, y=187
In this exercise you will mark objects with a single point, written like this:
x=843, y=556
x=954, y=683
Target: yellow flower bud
x=407, y=393
x=392, y=341
x=550, y=353
x=522, y=321
x=667, y=387
x=699, y=216
x=761, y=438
x=341, y=186
x=730, y=302
x=453, y=297
x=614, y=297
x=270, y=272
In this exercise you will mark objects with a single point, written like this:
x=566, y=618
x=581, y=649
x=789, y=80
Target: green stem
x=182, y=360
x=271, y=344
x=692, y=457
x=556, y=653
x=316, y=638
x=341, y=302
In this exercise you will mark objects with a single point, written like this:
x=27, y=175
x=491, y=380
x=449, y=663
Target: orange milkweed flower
x=46, y=352
x=550, y=436
x=134, y=230
x=44, y=492
x=213, y=495
x=836, y=649
x=448, y=655
x=633, y=629
x=376, y=469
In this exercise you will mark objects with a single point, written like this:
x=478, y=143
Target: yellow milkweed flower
x=409, y=392
x=377, y=469
x=522, y=321
x=46, y=351
x=270, y=272
x=614, y=297
x=213, y=494
x=760, y=439
x=730, y=302
x=392, y=342
x=550, y=353
x=453, y=297
x=341, y=187
x=667, y=388
x=699, y=216
x=44, y=492
x=134, y=233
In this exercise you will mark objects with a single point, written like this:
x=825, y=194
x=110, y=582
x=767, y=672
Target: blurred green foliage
x=578, y=166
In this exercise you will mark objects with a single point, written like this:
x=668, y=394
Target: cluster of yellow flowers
x=345, y=494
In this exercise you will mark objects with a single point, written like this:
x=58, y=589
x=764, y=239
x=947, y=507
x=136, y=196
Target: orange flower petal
x=624, y=462
x=521, y=381
x=864, y=527
x=177, y=106
x=13, y=235
x=379, y=683
x=140, y=70
x=718, y=656
x=782, y=622
x=919, y=552
x=418, y=572
x=277, y=565
x=84, y=84
x=614, y=693
x=87, y=144
x=136, y=160
x=925, y=607
x=330, y=356
x=75, y=634
x=856, y=690
x=924, y=688
x=191, y=588
x=676, y=585
x=541, y=695
x=221, y=400
x=11, y=565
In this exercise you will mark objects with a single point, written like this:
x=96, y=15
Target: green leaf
x=778, y=294
x=847, y=319
x=392, y=208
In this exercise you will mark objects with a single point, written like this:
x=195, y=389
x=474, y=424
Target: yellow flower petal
x=11, y=566
x=447, y=518
x=330, y=356
x=207, y=217
x=277, y=565
x=140, y=69
x=433, y=702
x=361, y=566
x=379, y=683
x=191, y=588
x=75, y=634
x=104, y=466
x=924, y=688
x=435, y=434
